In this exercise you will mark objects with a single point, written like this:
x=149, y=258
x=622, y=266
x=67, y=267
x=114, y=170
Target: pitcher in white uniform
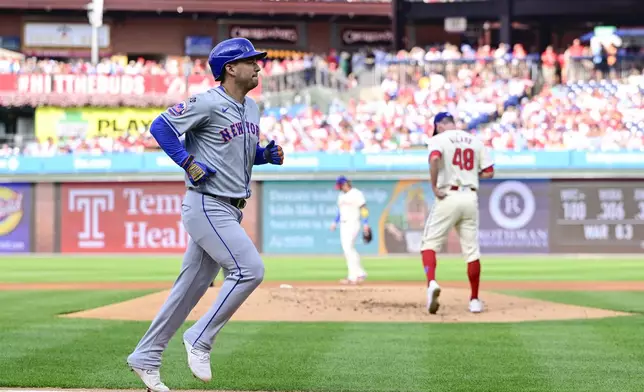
x=352, y=217
x=457, y=161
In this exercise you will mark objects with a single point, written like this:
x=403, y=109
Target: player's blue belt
x=237, y=203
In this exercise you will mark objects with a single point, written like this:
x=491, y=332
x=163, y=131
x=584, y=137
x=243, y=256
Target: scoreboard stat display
x=598, y=216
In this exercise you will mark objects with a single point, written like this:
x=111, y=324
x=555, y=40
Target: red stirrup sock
x=429, y=262
x=474, y=275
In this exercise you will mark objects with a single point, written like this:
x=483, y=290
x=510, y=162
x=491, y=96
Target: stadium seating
x=504, y=95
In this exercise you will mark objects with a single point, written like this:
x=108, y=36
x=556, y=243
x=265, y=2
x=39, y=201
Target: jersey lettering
x=235, y=130
x=464, y=156
x=223, y=140
x=464, y=159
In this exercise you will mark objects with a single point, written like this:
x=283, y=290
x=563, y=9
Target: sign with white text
x=124, y=217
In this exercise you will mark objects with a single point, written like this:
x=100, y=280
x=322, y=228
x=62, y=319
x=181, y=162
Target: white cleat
x=199, y=362
x=151, y=379
x=476, y=306
x=433, y=292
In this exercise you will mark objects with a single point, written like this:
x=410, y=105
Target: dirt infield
x=366, y=303
x=371, y=302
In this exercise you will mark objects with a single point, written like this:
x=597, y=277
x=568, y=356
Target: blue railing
x=407, y=161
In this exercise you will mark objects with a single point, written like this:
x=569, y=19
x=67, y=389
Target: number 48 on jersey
x=464, y=159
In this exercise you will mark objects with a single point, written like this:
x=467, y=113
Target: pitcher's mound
x=377, y=303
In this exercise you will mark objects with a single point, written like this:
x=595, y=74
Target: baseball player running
x=457, y=161
x=352, y=215
x=221, y=146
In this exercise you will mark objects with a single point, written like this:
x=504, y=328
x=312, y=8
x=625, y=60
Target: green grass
x=623, y=301
x=289, y=268
x=40, y=349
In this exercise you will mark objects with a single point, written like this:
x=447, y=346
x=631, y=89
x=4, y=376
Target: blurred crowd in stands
x=505, y=109
x=285, y=61
x=119, y=65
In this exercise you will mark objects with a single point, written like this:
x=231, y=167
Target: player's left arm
x=486, y=165
x=367, y=234
x=364, y=211
x=364, y=214
x=272, y=153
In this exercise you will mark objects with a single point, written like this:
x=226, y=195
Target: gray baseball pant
x=217, y=241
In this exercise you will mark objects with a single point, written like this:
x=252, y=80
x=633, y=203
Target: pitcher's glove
x=274, y=154
x=197, y=171
x=367, y=235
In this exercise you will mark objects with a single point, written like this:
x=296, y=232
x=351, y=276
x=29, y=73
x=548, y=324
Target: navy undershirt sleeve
x=168, y=140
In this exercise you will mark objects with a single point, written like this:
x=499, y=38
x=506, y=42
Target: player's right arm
x=486, y=165
x=435, y=158
x=170, y=125
x=336, y=220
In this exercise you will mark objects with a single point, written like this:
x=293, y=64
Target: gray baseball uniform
x=222, y=134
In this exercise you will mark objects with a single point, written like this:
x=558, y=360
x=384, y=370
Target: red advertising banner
x=122, y=218
x=129, y=85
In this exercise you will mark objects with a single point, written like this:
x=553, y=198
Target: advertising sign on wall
x=82, y=86
x=90, y=122
x=297, y=216
x=357, y=36
x=403, y=219
x=128, y=218
x=15, y=218
x=514, y=216
x=264, y=34
x=63, y=35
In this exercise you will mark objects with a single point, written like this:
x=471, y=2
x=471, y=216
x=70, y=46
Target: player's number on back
x=464, y=159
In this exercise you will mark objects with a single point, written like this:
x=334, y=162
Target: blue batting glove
x=197, y=171
x=274, y=154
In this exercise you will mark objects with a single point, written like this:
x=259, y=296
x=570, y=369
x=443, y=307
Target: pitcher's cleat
x=433, y=292
x=476, y=306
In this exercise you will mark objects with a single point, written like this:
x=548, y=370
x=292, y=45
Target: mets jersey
x=349, y=204
x=464, y=157
x=222, y=134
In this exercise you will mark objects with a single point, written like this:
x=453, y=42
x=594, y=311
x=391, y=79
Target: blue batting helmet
x=232, y=49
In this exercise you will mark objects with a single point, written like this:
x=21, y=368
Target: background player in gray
x=221, y=128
